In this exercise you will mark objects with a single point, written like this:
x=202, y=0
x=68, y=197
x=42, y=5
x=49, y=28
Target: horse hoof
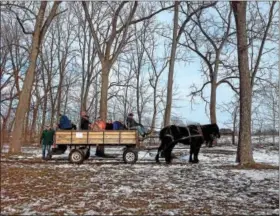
x=168, y=161
x=195, y=161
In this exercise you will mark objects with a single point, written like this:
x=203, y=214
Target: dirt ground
x=216, y=186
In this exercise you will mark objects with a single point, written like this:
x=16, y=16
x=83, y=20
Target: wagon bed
x=81, y=141
x=108, y=138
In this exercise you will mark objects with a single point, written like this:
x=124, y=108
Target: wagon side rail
x=108, y=138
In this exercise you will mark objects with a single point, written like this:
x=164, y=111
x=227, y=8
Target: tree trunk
x=103, y=101
x=4, y=130
x=96, y=97
x=59, y=90
x=155, y=111
x=245, y=156
x=167, y=114
x=234, y=125
x=273, y=120
x=25, y=95
x=138, y=93
x=213, y=103
x=34, y=120
x=24, y=98
x=44, y=113
x=26, y=130
x=104, y=91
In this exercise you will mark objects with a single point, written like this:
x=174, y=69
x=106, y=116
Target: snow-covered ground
x=31, y=186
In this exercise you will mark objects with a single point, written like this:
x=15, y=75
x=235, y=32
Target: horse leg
x=196, y=152
x=167, y=154
x=168, y=150
x=210, y=145
x=191, y=152
x=164, y=142
x=159, y=150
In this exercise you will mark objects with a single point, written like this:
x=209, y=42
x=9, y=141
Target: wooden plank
x=96, y=137
x=79, y=137
x=95, y=141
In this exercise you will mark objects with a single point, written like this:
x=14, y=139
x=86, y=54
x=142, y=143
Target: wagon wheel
x=130, y=156
x=86, y=152
x=76, y=156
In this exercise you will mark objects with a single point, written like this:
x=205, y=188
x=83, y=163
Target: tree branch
x=190, y=16
x=200, y=90
x=262, y=43
x=144, y=18
x=22, y=27
x=231, y=86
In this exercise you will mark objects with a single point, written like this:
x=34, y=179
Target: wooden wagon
x=81, y=141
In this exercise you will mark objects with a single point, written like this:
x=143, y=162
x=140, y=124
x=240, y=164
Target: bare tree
x=157, y=65
x=177, y=32
x=244, y=152
x=115, y=38
x=209, y=45
x=40, y=29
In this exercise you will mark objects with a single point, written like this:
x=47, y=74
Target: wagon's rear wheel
x=130, y=156
x=76, y=156
x=86, y=152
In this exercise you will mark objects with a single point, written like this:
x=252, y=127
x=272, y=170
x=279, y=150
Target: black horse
x=193, y=135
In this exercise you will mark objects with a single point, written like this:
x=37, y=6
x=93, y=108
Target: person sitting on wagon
x=132, y=124
x=64, y=122
x=109, y=125
x=85, y=123
x=99, y=124
x=118, y=125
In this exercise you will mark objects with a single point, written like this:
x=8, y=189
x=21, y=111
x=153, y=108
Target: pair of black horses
x=193, y=135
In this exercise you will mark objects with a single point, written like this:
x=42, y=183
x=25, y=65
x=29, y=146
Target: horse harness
x=199, y=130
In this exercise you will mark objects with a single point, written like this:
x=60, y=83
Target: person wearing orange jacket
x=99, y=124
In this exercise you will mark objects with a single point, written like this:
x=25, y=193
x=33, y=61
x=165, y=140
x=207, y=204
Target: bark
x=155, y=112
x=245, y=156
x=34, y=120
x=167, y=114
x=24, y=98
x=104, y=91
x=234, y=125
x=103, y=103
x=44, y=113
x=213, y=117
x=273, y=118
x=27, y=86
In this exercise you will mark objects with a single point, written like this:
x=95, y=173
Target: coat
x=64, y=122
x=84, y=123
x=47, y=137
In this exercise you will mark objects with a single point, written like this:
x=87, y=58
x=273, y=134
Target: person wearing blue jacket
x=118, y=125
x=64, y=122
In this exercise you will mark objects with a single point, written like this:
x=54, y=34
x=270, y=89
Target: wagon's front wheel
x=130, y=156
x=76, y=156
x=86, y=152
